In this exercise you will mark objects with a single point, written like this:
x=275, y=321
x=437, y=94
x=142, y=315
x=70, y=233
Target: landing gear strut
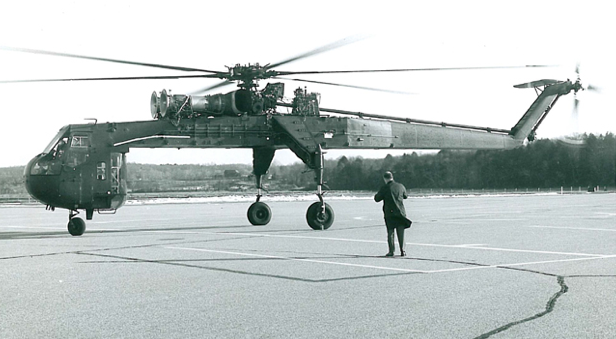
x=259, y=213
x=76, y=225
x=320, y=216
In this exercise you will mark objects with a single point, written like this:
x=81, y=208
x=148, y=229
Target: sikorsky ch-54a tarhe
x=84, y=166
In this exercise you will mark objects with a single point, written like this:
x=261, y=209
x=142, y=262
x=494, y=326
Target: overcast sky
x=203, y=34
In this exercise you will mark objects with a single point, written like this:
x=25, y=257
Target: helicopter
x=84, y=166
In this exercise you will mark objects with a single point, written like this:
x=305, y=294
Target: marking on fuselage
x=151, y=137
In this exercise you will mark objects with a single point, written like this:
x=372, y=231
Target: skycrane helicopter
x=84, y=165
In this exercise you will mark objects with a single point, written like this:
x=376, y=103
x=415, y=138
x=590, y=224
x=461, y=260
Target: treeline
x=541, y=164
x=145, y=178
x=11, y=181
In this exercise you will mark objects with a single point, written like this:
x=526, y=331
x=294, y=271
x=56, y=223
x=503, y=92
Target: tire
x=259, y=214
x=318, y=220
x=76, y=226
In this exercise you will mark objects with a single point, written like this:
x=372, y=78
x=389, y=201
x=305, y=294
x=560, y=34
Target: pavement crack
x=549, y=307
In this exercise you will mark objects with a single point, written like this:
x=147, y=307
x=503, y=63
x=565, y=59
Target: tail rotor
x=576, y=139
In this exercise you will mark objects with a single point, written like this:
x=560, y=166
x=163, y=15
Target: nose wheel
x=76, y=225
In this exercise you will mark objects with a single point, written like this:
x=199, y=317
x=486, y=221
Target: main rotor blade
x=67, y=55
x=113, y=78
x=328, y=47
x=414, y=69
x=206, y=89
x=349, y=86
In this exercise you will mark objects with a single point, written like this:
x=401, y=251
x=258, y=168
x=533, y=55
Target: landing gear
x=76, y=226
x=259, y=213
x=320, y=216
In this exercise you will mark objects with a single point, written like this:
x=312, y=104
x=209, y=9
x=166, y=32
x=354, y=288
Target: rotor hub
x=248, y=75
x=577, y=85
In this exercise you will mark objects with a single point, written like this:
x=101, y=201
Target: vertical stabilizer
x=549, y=92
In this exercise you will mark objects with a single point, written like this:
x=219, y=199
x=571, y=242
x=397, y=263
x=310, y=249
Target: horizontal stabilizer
x=538, y=83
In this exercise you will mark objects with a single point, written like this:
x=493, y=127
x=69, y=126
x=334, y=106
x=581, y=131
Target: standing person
x=392, y=194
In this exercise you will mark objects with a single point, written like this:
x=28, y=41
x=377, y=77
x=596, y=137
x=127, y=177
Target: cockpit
x=64, y=149
x=73, y=173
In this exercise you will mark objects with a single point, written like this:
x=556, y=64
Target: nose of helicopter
x=28, y=176
x=38, y=181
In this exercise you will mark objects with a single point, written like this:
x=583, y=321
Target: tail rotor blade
x=575, y=123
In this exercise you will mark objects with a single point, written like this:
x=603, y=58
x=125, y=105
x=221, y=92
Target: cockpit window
x=61, y=134
x=79, y=141
x=61, y=147
x=64, y=149
x=77, y=154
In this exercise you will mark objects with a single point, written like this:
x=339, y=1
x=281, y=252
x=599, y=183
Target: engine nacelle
x=185, y=106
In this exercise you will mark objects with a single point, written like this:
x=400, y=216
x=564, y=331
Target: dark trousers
x=390, y=238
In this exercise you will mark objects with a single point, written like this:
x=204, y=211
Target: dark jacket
x=392, y=194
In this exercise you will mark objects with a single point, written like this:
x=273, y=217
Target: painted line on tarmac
x=560, y=260
x=498, y=219
x=520, y=264
x=512, y=250
x=388, y=268
x=467, y=246
x=414, y=244
x=125, y=221
x=297, y=259
x=575, y=228
x=29, y=227
x=173, y=232
x=53, y=228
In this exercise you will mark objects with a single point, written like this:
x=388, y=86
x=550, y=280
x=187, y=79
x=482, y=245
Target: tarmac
x=519, y=266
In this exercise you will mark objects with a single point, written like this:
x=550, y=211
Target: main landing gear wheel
x=76, y=226
x=259, y=214
x=319, y=218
